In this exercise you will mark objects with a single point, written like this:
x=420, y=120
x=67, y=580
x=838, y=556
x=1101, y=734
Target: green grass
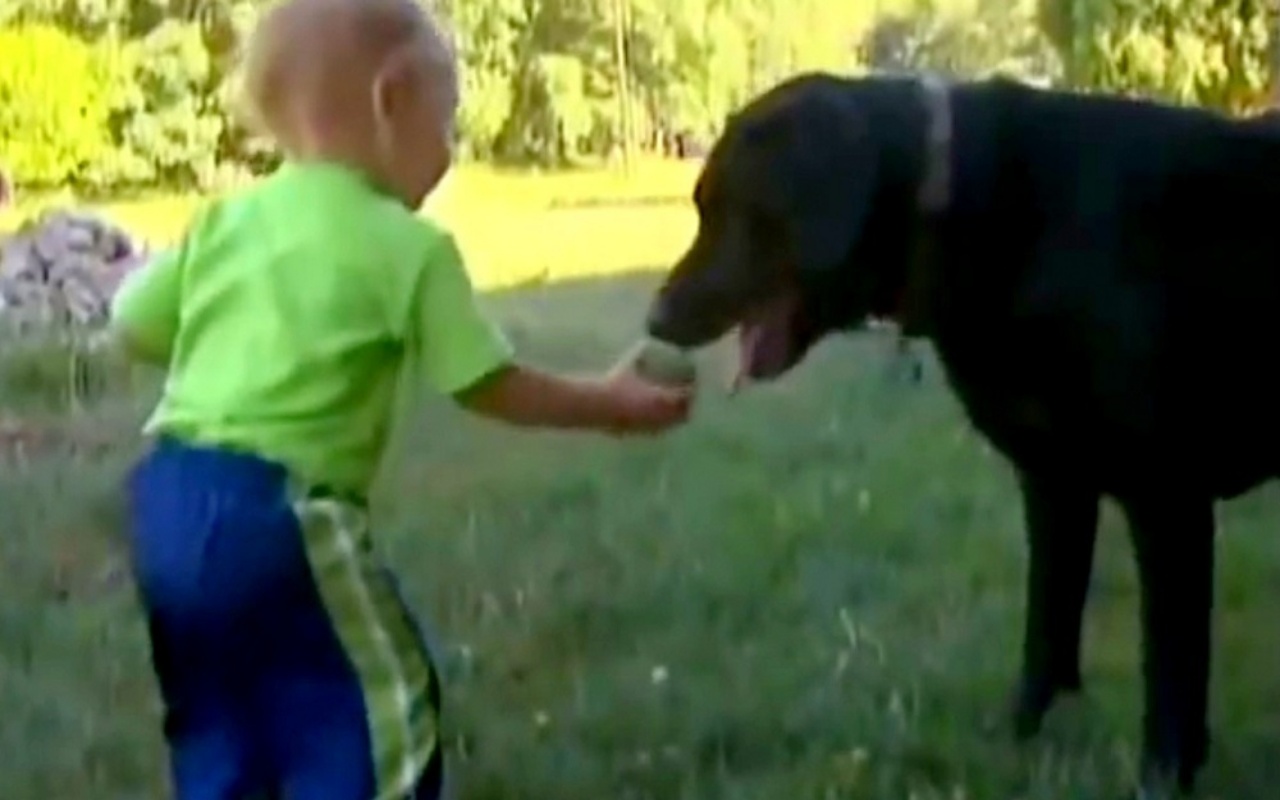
x=813, y=591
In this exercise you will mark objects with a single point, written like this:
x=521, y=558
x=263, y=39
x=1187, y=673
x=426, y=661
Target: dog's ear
x=834, y=210
x=824, y=170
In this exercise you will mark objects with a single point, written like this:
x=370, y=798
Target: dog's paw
x=1034, y=699
x=1158, y=785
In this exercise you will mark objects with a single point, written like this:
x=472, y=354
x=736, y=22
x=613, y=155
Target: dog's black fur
x=1100, y=287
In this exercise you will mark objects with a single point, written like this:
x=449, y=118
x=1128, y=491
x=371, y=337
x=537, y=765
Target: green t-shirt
x=288, y=314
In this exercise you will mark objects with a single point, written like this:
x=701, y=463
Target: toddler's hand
x=645, y=407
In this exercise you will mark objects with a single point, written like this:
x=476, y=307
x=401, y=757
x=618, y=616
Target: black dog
x=1099, y=277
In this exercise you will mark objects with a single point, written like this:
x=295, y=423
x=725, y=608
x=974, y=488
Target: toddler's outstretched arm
x=619, y=402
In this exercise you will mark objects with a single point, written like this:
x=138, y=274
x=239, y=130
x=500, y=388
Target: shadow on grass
x=813, y=591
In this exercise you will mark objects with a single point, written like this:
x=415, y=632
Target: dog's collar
x=933, y=197
x=935, y=186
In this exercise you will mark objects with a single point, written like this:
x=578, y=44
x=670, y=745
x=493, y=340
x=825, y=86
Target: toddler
x=288, y=664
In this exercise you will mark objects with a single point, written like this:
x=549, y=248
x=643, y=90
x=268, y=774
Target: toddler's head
x=369, y=83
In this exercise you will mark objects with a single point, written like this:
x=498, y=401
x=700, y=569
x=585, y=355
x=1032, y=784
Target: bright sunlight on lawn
x=516, y=228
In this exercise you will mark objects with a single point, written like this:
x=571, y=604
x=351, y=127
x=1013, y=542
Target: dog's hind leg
x=1173, y=543
x=1062, y=523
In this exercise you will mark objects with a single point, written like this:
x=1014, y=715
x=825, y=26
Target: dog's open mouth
x=767, y=345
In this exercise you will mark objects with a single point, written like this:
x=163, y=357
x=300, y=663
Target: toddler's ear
x=384, y=102
x=391, y=91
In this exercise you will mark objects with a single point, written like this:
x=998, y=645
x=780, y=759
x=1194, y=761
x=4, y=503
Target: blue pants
x=288, y=665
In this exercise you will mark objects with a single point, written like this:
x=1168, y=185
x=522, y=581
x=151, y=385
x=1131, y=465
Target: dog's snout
x=658, y=322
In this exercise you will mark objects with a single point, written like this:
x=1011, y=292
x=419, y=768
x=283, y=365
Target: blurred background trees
x=110, y=95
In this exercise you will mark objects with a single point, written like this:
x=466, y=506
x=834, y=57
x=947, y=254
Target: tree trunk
x=1274, y=47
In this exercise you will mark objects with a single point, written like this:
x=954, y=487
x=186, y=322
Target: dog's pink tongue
x=749, y=337
x=764, y=342
x=762, y=352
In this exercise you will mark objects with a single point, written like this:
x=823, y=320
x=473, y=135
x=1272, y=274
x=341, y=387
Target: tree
x=143, y=92
x=1210, y=52
x=55, y=102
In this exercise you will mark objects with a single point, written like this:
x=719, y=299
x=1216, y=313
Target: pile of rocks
x=62, y=269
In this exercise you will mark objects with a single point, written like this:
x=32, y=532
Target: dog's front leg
x=1173, y=545
x=1062, y=524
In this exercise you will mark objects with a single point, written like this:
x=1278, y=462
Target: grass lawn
x=813, y=591
x=515, y=228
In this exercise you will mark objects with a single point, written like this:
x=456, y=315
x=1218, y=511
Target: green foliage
x=1189, y=51
x=170, y=130
x=983, y=37
x=142, y=91
x=55, y=103
x=550, y=114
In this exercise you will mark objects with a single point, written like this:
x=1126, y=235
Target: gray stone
x=62, y=269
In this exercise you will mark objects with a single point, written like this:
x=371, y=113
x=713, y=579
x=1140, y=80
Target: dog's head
x=804, y=211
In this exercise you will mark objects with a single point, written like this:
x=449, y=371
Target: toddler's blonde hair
x=318, y=59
